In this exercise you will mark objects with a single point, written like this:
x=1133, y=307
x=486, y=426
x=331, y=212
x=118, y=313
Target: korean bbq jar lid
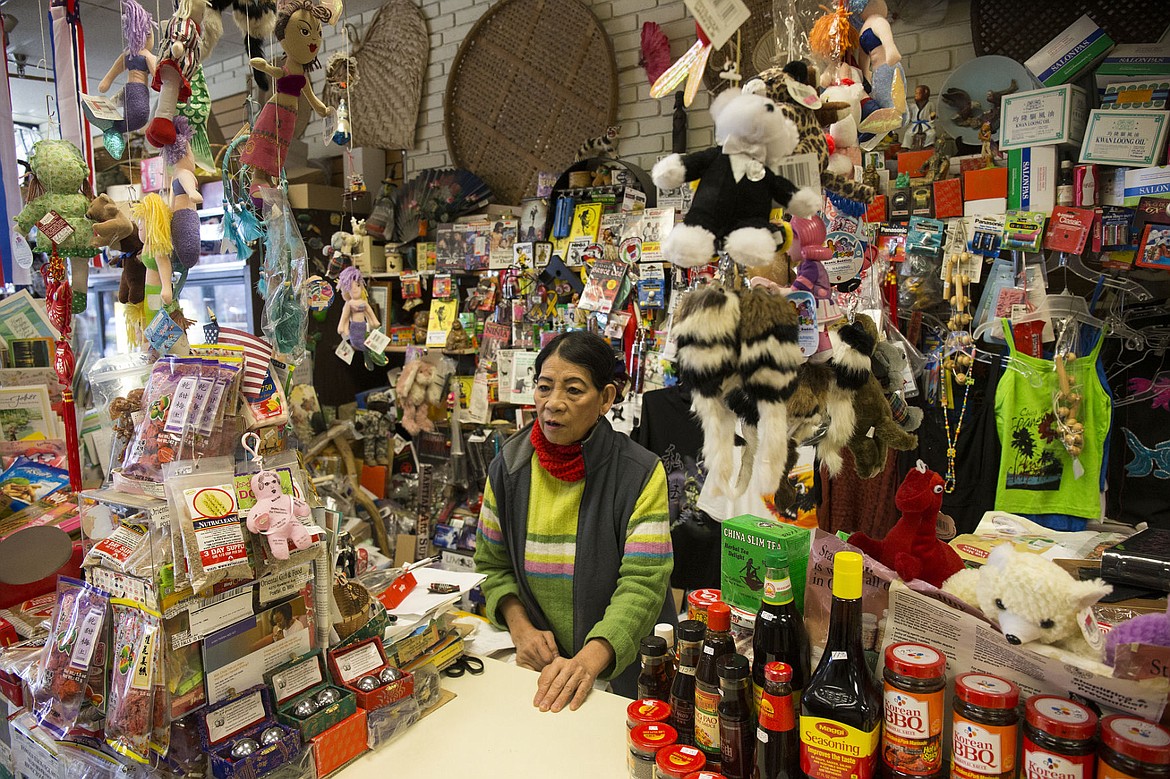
x=647, y=710
x=1060, y=717
x=680, y=760
x=652, y=736
x=987, y=691
x=915, y=660
x=1143, y=741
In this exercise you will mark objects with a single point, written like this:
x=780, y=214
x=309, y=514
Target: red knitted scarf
x=564, y=461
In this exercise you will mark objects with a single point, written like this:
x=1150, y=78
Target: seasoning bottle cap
x=652, y=736
x=647, y=710
x=691, y=630
x=987, y=691
x=733, y=667
x=917, y=661
x=719, y=617
x=665, y=631
x=847, y=571
x=680, y=760
x=1136, y=738
x=653, y=646
x=1060, y=717
x=776, y=671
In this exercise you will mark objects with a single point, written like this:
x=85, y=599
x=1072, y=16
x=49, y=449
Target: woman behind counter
x=571, y=490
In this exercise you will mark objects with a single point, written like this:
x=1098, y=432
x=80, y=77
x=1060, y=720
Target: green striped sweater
x=551, y=554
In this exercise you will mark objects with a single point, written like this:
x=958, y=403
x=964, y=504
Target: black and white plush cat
x=601, y=146
x=256, y=20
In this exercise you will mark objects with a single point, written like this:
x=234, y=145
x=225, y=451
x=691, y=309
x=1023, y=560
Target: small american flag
x=257, y=355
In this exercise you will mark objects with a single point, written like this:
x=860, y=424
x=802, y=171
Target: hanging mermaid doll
x=298, y=30
x=138, y=63
x=154, y=226
x=357, y=316
x=185, y=196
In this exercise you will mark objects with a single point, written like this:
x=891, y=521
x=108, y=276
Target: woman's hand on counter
x=566, y=681
x=535, y=649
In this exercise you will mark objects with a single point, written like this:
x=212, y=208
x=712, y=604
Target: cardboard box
x=1141, y=94
x=747, y=541
x=876, y=212
x=350, y=663
x=948, y=198
x=911, y=162
x=321, y=197
x=990, y=206
x=1079, y=47
x=985, y=183
x=1144, y=182
x=245, y=716
x=1032, y=178
x=340, y=744
x=1126, y=138
x=304, y=678
x=1043, y=117
x=1130, y=61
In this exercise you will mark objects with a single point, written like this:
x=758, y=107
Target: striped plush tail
x=852, y=366
x=708, y=354
x=769, y=358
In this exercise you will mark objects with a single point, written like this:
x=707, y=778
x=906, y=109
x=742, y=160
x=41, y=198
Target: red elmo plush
x=911, y=547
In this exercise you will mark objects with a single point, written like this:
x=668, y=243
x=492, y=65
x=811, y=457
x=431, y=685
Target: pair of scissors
x=465, y=664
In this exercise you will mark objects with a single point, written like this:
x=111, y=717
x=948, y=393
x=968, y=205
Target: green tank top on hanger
x=1036, y=473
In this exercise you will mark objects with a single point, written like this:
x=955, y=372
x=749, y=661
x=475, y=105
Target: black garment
x=1138, y=473
x=723, y=204
x=977, y=450
x=670, y=430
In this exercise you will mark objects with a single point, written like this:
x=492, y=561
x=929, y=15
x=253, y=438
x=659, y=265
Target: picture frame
x=542, y=252
x=523, y=254
x=533, y=219
x=380, y=294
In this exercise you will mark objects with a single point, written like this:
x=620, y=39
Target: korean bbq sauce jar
x=678, y=761
x=646, y=740
x=698, y=601
x=646, y=711
x=1059, y=739
x=1133, y=748
x=983, y=739
x=913, y=692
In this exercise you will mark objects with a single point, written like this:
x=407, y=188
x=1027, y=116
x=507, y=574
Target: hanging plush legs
x=708, y=356
x=852, y=367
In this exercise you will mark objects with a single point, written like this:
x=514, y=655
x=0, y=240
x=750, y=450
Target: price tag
x=21, y=251
x=55, y=227
x=344, y=352
x=718, y=18
x=377, y=341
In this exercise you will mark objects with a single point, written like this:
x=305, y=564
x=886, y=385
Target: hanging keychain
x=275, y=515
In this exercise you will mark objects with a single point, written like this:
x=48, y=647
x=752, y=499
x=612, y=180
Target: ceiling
x=103, y=42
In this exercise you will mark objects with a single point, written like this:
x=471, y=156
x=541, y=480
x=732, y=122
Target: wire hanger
x=1074, y=263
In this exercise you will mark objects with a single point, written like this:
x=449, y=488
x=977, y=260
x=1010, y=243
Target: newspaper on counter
x=972, y=644
x=997, y=527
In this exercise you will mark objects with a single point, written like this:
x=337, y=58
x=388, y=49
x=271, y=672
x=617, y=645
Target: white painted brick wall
x=930, y=54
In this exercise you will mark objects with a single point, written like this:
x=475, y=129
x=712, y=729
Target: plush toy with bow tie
x=738, y=182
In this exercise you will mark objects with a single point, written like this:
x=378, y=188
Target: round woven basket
x=533, y=80
x=996, y=24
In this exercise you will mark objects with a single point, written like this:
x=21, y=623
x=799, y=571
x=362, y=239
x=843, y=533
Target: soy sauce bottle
x=716, y=644
x=777, y=738
x=780, y=634
x=840, y=724
x=682, y=694
x=737, y=739
x=653, y=681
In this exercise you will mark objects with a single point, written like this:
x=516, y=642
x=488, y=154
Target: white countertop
x=492, y=729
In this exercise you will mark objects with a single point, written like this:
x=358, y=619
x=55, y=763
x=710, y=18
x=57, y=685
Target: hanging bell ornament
x=341, y=132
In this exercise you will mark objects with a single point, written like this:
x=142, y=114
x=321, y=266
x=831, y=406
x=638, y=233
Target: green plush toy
x=59, y=174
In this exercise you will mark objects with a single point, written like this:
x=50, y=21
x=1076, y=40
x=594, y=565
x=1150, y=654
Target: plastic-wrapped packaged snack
x=118, y=384
x=130, y=716
x=59, y=687
x=203, y=504
x=153, y=445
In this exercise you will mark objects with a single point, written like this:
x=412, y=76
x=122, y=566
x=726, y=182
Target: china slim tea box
x=747, y=540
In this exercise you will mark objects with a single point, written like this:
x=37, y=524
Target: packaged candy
x=152, y=446
x=130, y=717
x=59, y=687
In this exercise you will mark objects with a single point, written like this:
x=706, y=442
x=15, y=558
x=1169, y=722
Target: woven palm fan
x=391, y=64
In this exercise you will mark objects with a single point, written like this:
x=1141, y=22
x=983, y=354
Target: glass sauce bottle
x=841, y=709
x=716, y=644
x=780, y=634
x=737, y=740
x=777, y=739
x=654, y=681
x=682, y=693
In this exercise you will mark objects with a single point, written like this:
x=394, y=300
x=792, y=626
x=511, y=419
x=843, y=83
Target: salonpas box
x=1081, y=46
x=1125, y=138
x=747, y=541
x=1032, y=174
x=1146, y=182
x=1043, y=117
x=1131, y=61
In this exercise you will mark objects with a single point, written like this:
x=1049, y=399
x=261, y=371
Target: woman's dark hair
x=587, y=350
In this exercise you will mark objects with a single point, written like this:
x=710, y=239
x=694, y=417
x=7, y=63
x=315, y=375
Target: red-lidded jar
x=705, y=775
x=915, y=677
x=645, y=741
x=698, y=601
x=983, y=739
x=646, y=711
x=679, y=761
x=1059, y=739
x=1133, y=748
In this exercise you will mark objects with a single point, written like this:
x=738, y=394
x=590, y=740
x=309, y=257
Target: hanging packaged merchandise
x=130, y=716
x=152, y=445
x=1024, y=230
x=284, y=318
x=59, y=688
x=272, y=503
x=202, y=495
